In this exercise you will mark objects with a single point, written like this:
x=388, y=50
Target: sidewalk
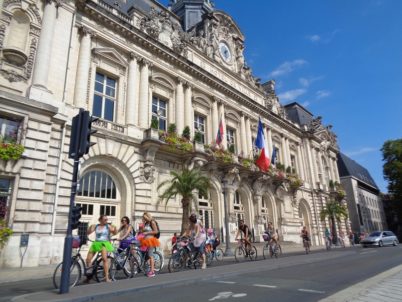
x=46, y=271
x=385, y=287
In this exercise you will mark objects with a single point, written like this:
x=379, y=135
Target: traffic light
x=75, y=217
x=75, y=135
x=86, y=132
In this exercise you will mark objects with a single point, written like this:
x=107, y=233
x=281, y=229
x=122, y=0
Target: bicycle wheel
x=210, y=257
x=265, y=251
x=99, y=272
x=131, y=267
x=239, y=254
x=280, y=249
x=219, y=254
x=75, y=274
x=158, y=261
x=253, y=253
x=176, y=263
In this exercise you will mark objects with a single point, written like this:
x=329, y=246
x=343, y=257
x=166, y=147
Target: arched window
x=19, y=31
x=97, y=184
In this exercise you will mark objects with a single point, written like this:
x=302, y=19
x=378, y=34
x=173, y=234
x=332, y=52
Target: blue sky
x=342, y=59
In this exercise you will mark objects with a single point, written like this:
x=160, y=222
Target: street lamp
x=228, y=250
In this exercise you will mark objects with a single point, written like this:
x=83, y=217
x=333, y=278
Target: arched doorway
x=305, y=216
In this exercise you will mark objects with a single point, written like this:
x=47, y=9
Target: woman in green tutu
x=102, y=244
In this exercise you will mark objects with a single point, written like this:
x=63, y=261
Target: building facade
x=134, y=65
x=364, y=199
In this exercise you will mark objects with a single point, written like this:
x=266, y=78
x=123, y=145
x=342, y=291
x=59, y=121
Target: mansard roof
x=348, y=167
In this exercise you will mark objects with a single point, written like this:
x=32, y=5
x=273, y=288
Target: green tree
x=335, y=211
x=392, y=157
x=184, y=183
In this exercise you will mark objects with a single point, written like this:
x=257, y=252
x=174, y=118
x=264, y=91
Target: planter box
x=152, y=133
x=199, y=147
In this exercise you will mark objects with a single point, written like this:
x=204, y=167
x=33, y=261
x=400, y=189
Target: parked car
x=380, y=238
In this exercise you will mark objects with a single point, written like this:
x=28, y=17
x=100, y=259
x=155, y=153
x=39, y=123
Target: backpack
x=159, y=232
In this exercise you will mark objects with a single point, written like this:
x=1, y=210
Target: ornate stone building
x=135, y=64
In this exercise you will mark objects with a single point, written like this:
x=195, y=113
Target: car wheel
x=380, y=244
x=395, y=243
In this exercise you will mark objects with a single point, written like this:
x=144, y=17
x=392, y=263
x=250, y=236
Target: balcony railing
x=114, y=11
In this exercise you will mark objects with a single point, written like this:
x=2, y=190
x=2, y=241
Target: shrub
x=5, y=233
x=198, y=137
x=11, y=151
x=232, y=149
x=186, y=133
x=172, y=129
x=154, y=123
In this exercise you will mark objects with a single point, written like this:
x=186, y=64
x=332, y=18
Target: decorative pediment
x=110, y=54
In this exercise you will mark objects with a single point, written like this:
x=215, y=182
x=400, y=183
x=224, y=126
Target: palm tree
x=334, y=211
x=184, y=183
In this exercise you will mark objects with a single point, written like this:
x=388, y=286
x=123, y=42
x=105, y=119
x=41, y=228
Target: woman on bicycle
x=126, y=233
x=102, y=244
x=304, y=234
x=195, y=230
x=150, y=241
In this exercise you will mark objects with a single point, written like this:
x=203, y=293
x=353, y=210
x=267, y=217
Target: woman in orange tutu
x=150, y=240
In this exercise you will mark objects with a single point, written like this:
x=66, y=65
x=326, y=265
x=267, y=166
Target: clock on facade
x=224, y=50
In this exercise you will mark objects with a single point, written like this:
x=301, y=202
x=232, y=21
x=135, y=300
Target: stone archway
x=305, y=216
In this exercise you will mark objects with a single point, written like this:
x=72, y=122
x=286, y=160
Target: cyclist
x=351, y=238
x=196, y=231
x=328, y=237
x=245, y=234
x=305, y=236
x=126, y=233
x=101, y=244
x=151, y=231
x=210, y=243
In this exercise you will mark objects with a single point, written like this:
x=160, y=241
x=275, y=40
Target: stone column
x=222, y=116
x=45, y=45
x=311, y=163
x=300, y=165
x=179, y=107
x=243, y=137
x=188, y=109
x=131, y=101
x=82, y=76
x=336, y=171
x=284, y=153
x=215, y=119
x=248, y=137
x=144, y=98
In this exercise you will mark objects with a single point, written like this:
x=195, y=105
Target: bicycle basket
x=76, y=242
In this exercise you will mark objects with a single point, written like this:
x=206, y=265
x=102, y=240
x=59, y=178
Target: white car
x=380, y=238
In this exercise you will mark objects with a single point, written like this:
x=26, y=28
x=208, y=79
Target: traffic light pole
x=68, y=241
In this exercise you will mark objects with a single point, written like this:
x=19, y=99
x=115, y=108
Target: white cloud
x=361, y=151
x=320, y=94
x=291, y=95
x=287, y=67
x=314, y=38
x=305, y=104
x=306, y=82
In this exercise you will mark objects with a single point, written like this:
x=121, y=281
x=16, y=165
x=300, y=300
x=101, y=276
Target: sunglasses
x=124, y=220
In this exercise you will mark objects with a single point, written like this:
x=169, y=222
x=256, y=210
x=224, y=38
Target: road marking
x=266, y=286
x=311, y=291
x=226, y=282
x=368, y=252
x=227, y=295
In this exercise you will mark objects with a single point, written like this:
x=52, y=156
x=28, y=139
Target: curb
x=351, y=293
x=184, y=278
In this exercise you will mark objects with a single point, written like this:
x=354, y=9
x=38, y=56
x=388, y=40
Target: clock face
x=224, y=50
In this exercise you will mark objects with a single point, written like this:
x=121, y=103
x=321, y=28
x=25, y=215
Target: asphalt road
x=307, y=282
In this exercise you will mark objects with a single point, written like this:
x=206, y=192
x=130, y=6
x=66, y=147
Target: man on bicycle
x=245, y=234
x=305, y=235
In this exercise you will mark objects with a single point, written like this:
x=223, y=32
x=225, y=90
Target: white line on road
x=368, y=252
x=226, y=282
x=311, y=291
x=264, y=285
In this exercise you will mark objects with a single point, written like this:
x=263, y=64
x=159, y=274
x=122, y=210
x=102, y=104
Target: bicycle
x=328, y=243
x=183, y=256
x=142, y=260
x=125, y=260
x=271, y=248
x=242, y=251
x=306, y=245
x=78, y=268
x=211, y=253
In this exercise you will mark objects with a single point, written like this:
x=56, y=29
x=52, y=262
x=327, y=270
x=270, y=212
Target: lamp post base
x=229, y=251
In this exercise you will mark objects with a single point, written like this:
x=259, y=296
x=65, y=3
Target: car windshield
x=375, y=234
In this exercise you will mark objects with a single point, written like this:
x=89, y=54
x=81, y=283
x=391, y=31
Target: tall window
x=293, y=163
x=206, y=211
x=231, y=138
x=159, y=112
x=326, y=171
x=97, y=184
x=5, y=193
x=8, y=129
x=199, y=126
x=277, y=154
x=238, y=207
x=104, y=97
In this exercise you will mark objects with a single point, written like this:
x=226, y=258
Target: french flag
x=263, y=161
x=220, y=134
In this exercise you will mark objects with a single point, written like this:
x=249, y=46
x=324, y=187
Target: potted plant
x=172, y=129
x=153, y=131
x=198, y=145
x=186, y=133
